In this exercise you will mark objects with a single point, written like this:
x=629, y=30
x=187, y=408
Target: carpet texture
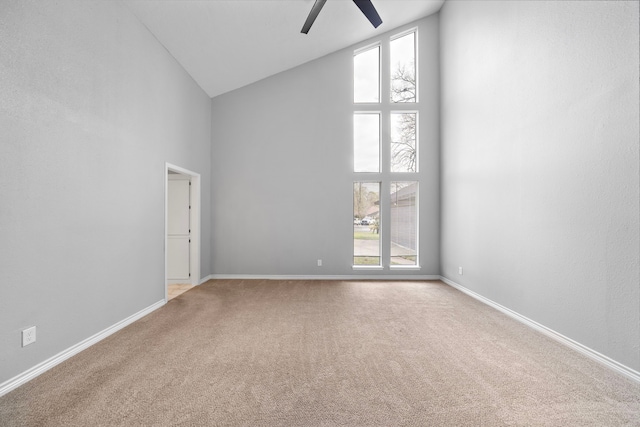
x=325, y=353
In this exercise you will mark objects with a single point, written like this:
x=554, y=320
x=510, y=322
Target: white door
x=178, y=229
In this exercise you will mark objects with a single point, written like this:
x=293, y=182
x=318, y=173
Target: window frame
x=415, y=266
x=385, y=177
x=417, y=136
x=379, y=266
x=368, y=112
x=416, y=61
x=357, y=52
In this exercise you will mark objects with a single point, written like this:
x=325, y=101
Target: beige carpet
x=320, y=353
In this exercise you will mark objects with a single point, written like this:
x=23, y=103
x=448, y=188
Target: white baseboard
x=40, y=368
x=321, y=277
x=592, y=354
x=206, y=279
x=31, y=373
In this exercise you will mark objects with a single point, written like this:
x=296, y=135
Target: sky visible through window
x=366, y=138
x=366, y=76
x=366, y=72
x=403, y=69
x=403, y=142
x=385, y=116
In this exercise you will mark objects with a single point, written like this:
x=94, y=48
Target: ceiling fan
x=365, y=6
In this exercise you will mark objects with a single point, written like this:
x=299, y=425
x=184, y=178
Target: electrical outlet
x=319, y=263
x=28, y=336
x=460, y=271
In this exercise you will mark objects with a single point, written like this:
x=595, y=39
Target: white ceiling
x=227, y=44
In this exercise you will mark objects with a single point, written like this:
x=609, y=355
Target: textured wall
x=91, y=108
x=540, y=163
x=282, y=169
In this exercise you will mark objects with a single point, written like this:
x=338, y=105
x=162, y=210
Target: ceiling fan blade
x=369, y=11
x=315, y=10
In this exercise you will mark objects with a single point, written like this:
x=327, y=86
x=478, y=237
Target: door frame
x=194, y=218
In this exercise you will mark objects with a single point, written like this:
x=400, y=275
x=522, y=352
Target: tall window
x=404, y=222
x=403, y=68
x=366, y=223
x=366, y=75
x=404, y=154
x=386, y=182
x=366, y=142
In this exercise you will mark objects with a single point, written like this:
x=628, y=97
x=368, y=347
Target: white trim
x=357, y=52
x=346, y=277
x=41, y=368
x=404, y=33
x=196, y=230
x=590, y=353
x=206, y=279
x=416, y=62
x=370, y=46
x=377, y=112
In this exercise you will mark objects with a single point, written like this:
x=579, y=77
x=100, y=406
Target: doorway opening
x=182, y=230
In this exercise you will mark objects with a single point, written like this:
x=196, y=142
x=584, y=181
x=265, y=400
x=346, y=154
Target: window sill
x=405, y=267
x=367, y=267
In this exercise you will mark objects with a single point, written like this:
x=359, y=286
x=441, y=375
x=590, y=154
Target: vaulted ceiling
x=227, y=44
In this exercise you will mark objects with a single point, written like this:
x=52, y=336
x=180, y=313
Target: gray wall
x=91, y=108
x=540, y=163
x=282, y=169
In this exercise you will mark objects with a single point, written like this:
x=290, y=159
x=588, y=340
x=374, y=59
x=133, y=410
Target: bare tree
x=403, y=84
x=363, y=199
x=403, y=147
